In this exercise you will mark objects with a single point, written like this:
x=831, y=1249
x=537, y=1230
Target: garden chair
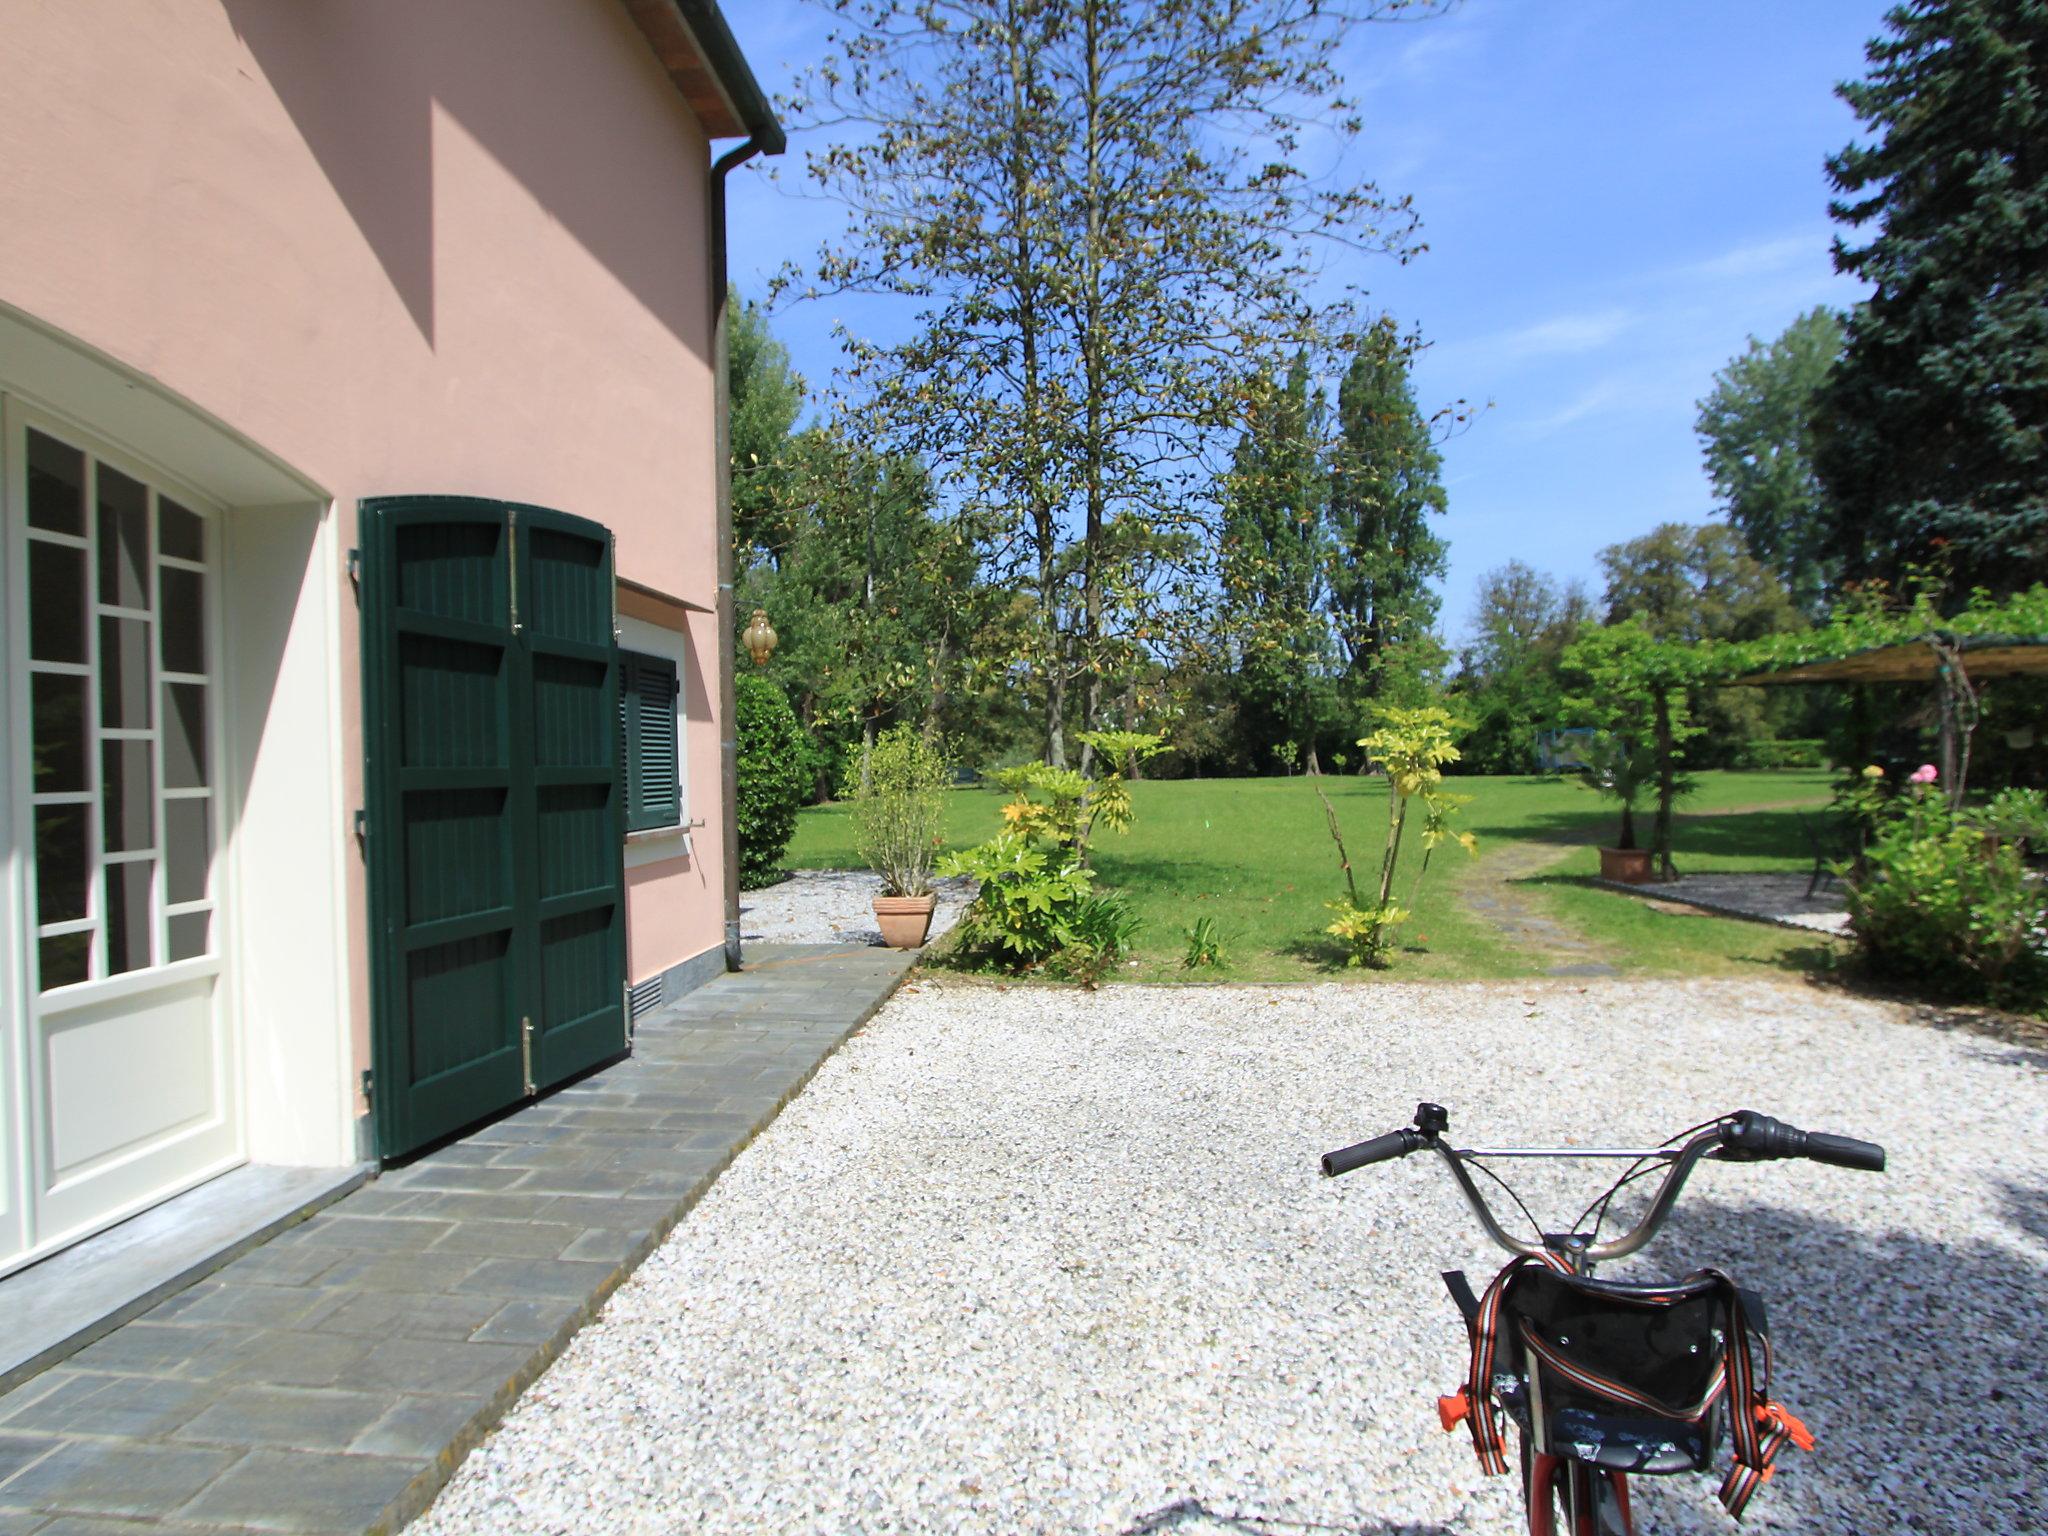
x=1833, y=840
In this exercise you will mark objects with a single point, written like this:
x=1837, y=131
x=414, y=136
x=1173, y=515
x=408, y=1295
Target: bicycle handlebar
x=1745, y=1136
x=1377, y=1150
x=1749, y=1135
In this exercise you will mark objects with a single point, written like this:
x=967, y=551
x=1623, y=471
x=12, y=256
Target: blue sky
x=1616, y=194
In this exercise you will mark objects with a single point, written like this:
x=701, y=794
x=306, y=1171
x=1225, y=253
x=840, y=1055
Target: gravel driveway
x=1028, y=1260
x=836, y=906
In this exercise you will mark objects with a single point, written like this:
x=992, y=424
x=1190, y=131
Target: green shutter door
x=496, y=892
x=577, y=849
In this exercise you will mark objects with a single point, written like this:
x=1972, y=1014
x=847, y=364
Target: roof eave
x=697, y=48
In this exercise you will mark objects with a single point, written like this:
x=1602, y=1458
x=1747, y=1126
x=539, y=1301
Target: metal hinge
x=526, y=1053
x=367, y=1080
x=362, y=820
x=355, y=570
x=626, y=1007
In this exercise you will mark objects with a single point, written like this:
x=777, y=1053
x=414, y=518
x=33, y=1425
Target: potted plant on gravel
x=897, y=820
x=1618, y=767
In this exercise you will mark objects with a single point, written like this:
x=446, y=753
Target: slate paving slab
x=331, y=1380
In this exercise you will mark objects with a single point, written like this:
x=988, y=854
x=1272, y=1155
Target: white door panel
x=123, y=1049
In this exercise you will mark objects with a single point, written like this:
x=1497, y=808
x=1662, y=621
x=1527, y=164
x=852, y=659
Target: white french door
x=119, y=1053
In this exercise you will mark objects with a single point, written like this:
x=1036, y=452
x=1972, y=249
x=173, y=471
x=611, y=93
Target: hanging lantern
x=760, y=638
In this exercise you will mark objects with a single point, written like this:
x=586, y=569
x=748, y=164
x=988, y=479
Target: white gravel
x=1028, y=1259
x=834, y=906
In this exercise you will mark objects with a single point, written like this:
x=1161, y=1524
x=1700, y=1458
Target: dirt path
x=1557, y=949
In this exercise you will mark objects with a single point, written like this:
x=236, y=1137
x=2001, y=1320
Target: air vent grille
x=647, y=996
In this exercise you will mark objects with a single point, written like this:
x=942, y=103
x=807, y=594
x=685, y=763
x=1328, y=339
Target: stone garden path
x=332, y=1379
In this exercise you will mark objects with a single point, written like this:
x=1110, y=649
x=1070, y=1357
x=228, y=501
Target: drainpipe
x=728, y=66
x=771, y=142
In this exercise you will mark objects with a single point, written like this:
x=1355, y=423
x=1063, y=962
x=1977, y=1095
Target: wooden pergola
x=1948, y=662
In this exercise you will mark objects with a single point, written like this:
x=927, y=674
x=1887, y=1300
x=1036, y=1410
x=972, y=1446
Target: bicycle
x=1607, y=1379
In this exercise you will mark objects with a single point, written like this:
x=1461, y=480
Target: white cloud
x=1561, y=335
x=1758, y=258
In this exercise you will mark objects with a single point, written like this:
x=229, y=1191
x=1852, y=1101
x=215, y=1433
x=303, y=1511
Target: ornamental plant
x=1411, y=747
x=1622, y=768
x=1632, y=685
x=900, y=809
x=1944, y=899
x=1030, y=896
x=771, y=777
x=1037, y=904
x=1062, y=807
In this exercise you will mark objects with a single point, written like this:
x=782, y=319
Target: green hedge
x=773, y=781
x=1794, y=753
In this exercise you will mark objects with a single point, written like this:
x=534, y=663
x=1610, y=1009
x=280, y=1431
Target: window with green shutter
x=647, y=729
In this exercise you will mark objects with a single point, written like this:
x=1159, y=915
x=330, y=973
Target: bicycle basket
x=1627, y=1377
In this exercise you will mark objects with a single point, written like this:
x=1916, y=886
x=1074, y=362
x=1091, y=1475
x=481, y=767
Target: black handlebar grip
x=1378, y=1150
x=1752, y=1135
x=1845, y=1151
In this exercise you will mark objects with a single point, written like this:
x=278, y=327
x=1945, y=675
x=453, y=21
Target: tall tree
x=1385, y=486
x=1934, y=433
x=1693, y=584
x=1273, y=562
x=1101, y=210
x=766, y=397
x=1756, y=431
x=1509, y=671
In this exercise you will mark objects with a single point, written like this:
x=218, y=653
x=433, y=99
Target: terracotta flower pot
x=904, y=920
x=1631, y=866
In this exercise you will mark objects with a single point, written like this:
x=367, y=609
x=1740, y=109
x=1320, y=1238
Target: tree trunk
x=1056, y=706
x=1091, y=356
x=1024, y=280
x=1667, y=784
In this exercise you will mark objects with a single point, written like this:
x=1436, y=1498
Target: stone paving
x=1764, y=897
x=331, y=1380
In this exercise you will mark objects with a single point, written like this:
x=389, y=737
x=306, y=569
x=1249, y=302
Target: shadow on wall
x=536, y=83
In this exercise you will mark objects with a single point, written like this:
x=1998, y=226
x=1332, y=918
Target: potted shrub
x=1617, y=767
x=897, y=817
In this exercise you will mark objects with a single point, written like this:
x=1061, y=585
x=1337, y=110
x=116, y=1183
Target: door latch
x=526, y=1053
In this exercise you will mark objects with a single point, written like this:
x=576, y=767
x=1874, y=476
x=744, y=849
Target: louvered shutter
x=647, y=726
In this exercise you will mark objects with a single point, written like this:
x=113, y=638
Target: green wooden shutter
x=494, y=799
x=647, y=726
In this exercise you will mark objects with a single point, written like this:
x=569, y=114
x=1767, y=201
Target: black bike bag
x=1632, y=1378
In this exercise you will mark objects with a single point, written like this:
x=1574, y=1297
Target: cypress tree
x=1384, y=485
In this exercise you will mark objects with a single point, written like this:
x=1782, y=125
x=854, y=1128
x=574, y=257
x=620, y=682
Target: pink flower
x=1924, y=774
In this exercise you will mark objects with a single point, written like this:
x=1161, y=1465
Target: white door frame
x=58, y=1205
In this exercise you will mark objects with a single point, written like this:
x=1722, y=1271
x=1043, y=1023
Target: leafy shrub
x=1945, y=901
x=1790, y=753
x=772, y=782
x=1103, y=928
x=1069, y=804
x=1205, y=946
x=1412, y=746
x=1026, y=911
x=898, y=815
x=1366, y=933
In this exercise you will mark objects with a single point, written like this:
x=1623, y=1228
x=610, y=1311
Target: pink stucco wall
x=404, y=246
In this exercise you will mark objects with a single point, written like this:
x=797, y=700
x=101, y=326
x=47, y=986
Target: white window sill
x=653, y=845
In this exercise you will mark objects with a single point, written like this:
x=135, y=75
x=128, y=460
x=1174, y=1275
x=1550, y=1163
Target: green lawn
x=1255, y=855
